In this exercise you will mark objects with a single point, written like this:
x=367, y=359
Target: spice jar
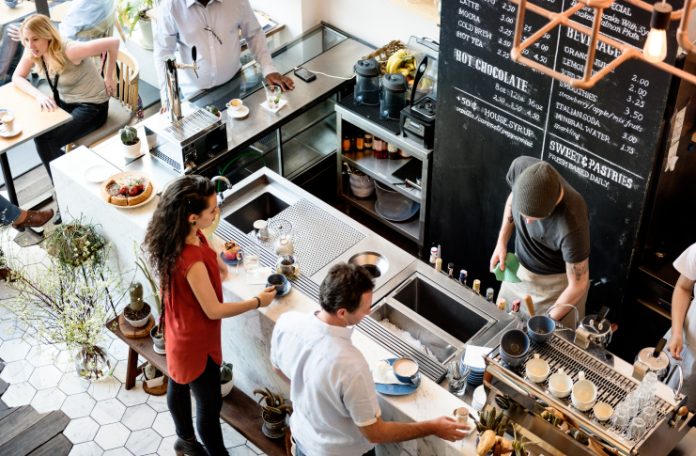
x=367, y=143
x=392, y=151
x=379, y=148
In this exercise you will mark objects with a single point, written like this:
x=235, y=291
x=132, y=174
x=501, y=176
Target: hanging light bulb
x=655, y=48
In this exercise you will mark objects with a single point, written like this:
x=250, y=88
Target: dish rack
x=613, y=387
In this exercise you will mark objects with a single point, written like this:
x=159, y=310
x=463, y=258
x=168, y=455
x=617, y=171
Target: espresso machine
x=184, y=142
x=528, y=403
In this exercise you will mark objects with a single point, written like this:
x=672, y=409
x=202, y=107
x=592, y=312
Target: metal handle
x=677, y=367
x=577, y=313
x=658, y=348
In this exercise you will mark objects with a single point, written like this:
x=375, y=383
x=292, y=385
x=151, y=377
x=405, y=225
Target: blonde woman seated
x=75, y=81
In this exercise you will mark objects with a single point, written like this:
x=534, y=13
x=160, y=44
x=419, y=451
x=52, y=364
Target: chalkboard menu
x=604, y=141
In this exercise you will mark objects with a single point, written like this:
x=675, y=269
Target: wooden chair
x=122, y=105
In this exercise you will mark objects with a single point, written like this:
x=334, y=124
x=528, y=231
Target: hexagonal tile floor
x=105, y=418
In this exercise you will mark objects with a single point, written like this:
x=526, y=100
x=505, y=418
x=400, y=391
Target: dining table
x=25, y=8
x=31, y=119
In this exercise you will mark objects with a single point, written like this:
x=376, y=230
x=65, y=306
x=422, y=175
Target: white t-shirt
x=331, y=388
x=686, y=266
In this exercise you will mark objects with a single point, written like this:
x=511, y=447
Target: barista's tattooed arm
x=578, y=270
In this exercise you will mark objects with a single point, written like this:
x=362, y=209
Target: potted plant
x=213, y=110
x=132, y=13
x=130, y=141
x=274, y=410
x=155, y=382
x=226, y=378
x=137, y=312
x=68, y=299
x=157, y=331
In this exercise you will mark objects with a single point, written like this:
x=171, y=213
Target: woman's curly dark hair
x=166, y=233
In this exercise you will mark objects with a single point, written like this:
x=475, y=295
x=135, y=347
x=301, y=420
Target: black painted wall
x=605, y=141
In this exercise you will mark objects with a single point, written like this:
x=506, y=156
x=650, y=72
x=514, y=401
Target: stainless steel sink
x=262, y=207
x=375, y=263
x=445, y=312
x=432, y=339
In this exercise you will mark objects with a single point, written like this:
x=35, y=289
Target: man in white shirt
x=213, y=27
x=333, y=394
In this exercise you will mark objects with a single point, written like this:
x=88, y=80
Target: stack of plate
x=475, y=377
x=479, y=398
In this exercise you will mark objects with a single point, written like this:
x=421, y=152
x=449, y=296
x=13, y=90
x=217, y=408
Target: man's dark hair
x=343, y=287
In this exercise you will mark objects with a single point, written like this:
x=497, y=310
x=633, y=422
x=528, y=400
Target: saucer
x=240, y=113
x=98, y=173
x=229, y=262
x=398, y=389
x=11, y=133
x=282, y=103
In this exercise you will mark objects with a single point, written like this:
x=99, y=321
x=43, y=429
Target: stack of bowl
x=361, y=185
x=514, y=346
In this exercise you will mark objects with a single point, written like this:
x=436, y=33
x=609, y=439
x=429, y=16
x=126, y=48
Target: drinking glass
x=631, y=403
x=649, y=414
x=637, y=428
x=457, y=378
x=644, y=396
x=621, y=417
x=251, y=258
x=273, y=94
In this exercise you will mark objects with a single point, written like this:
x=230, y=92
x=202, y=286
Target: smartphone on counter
x=305, y=74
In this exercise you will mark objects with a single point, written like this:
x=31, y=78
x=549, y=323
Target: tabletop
x=25, y=8
x=28, y=116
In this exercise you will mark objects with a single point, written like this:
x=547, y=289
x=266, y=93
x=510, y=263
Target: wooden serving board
x=135, y=333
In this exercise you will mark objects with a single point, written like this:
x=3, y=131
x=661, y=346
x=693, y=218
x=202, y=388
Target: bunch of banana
x=401, y=62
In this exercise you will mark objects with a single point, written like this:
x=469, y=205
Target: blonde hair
x=42, y=27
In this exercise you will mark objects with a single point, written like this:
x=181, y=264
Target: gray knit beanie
x=536, y=190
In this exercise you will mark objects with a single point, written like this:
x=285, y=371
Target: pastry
x=127, y=190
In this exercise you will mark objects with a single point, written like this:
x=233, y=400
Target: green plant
x=74, y=243
x=225, y=372
x=129, y=136
x=274, y=408
x=130, y=12
x=213, y=110
x=141, y=264
x=63, y=302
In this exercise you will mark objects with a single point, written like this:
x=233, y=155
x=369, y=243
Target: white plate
x=98, y=173
x=240, y=113
x=135, y=175
x=11, y=133
x=282, y=103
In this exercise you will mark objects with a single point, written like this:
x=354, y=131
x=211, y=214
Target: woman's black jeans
x=206, y=390
x=87, y=117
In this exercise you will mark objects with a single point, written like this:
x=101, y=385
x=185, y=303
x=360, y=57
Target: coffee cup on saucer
x=7, y=119
x=235, y=104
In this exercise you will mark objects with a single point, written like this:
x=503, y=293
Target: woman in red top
x=191, y=275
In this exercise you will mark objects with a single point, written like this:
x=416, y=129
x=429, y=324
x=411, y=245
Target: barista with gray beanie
x=552, y=243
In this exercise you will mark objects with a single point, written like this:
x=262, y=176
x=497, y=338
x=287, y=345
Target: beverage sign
x=492, y=110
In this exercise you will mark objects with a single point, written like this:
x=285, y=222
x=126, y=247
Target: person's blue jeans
x=87, y=117
x=206, y=390
x=8, y=211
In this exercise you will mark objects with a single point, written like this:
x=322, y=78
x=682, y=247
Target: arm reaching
x=578, y=283
x=391, y=431
x=681, y=300
x=506, y=229
x=202, y=288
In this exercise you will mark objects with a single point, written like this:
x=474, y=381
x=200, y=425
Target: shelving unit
x=382, y=170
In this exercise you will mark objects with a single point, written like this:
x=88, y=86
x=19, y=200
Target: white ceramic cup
x=235, y=104
x=584, y=393
x=602, y=411
x=537, y=369
x=560, y=384
x=7, y=119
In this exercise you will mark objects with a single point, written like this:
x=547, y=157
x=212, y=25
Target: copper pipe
x=592, y=47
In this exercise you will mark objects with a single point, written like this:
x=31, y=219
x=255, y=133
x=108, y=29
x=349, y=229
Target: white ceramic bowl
x=603, y=411
x=362, y=186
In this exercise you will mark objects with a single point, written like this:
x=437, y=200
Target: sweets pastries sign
x=127, y=190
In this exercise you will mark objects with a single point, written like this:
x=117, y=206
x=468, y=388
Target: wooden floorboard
x=41, y=431
x=57, y=446
x=3, y=386
x=16, y=423
x=6, y=412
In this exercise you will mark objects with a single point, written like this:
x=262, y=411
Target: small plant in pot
x=131, y=142
x=226, y=378
x=274, y=410
x=137, y=312
x=155, y=382
x=213, y=110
